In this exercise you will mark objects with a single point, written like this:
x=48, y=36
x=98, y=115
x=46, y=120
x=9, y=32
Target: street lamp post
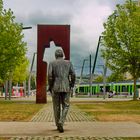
x=104, y=66
x=90, y=78
x=99, y=41
x=26, y=28
x=104, y=79
x=82, y=70
x=95, y=59
x=30, y=74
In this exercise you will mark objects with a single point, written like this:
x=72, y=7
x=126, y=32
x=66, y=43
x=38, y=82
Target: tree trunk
x=6, y=89
x=24, y=85
x=134, y=95
x=10, y=88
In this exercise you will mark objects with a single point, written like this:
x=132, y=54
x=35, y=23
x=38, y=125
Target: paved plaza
x=78, y=126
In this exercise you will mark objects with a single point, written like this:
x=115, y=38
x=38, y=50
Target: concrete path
x=94, y=129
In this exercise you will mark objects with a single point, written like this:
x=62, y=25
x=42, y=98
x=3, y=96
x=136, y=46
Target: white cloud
x=90, y=20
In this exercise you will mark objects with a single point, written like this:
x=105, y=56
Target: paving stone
x=74, y=115
x=65, y=138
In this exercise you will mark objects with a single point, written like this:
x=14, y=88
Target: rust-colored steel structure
x=60, y=34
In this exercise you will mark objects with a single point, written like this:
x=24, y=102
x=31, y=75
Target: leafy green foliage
x=121, y=39
x=21, y=72
x=1, y=5
x=99, y=79
x=115, y=77
x=11, y=45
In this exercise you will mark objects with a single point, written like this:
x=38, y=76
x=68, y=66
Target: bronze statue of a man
x=61, y=79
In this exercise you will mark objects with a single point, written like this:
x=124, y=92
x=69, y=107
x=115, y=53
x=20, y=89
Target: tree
x=115, y=77
x=99, y=78
x=21, y=72
x=12, y=46
x=121, y=39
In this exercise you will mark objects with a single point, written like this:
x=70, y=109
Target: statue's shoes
x=60, y=128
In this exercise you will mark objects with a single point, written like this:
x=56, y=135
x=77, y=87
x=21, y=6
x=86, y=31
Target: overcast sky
x=86, y=18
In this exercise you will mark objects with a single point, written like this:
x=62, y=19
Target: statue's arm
x=50, y=77
x=72, y=76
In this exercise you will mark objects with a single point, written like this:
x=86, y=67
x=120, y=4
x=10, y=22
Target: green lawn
x=18, y=110
x=112, y=111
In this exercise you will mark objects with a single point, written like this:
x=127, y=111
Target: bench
x=123, y=94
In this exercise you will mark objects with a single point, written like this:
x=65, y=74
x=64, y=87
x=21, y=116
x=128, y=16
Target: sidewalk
x=72, y=129
x=78, y=126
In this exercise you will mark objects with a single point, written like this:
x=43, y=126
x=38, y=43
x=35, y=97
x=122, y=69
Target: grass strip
x=18, y=110
x=112, y=111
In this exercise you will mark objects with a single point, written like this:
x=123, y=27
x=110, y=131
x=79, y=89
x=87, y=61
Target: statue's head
x=58, y=53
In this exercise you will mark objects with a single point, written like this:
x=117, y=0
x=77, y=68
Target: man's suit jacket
x=61, y=75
